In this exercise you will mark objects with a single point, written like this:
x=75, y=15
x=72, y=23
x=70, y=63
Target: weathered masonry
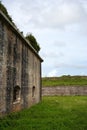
x=20, y=70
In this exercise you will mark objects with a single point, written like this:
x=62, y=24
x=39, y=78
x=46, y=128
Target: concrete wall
x=64, y=90
x=20, y=66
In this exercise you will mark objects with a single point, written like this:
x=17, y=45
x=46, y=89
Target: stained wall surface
x=20, y=70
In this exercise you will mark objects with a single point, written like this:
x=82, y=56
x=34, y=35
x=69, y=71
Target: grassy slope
x=65, y=81
x=53, y=113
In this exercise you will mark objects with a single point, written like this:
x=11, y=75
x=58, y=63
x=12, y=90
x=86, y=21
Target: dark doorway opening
x=16, y=93
x=33, y=91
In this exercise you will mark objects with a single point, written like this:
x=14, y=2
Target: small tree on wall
x=33, y=42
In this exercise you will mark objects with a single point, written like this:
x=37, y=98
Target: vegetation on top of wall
x=29, y=37
x=64, y=81
x=33, y=42
x=4, y=10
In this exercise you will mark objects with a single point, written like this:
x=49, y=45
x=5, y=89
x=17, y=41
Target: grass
x=64, y=81
x=53, y=113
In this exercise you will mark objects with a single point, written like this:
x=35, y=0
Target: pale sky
x=60, y=27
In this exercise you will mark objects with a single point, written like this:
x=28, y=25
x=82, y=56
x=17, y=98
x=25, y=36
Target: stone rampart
x=64, y=90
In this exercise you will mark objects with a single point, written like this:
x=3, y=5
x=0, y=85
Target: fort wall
x=64, y=91
x=20, y=70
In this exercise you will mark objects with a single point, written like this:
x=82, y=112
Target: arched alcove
x=16, y=93
x=33, y=91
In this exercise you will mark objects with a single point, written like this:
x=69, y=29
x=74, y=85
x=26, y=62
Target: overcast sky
x=60, y=27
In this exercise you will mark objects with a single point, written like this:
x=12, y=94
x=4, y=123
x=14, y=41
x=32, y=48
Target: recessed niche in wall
x=16, y=93
x=33, y=91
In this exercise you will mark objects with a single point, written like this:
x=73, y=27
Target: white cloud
x=47, y=14
x=77, y=66
x=63, y=14
x=53, y=73
x=52, y=54
x=59, y=44
x=60, y=27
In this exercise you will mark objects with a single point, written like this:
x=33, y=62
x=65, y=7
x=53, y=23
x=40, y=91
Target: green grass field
x=64, y=81
x=53, y=113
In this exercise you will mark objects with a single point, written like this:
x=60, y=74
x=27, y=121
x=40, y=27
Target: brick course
x=64, y=91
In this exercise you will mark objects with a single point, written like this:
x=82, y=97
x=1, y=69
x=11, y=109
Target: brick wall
x=64, y=90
